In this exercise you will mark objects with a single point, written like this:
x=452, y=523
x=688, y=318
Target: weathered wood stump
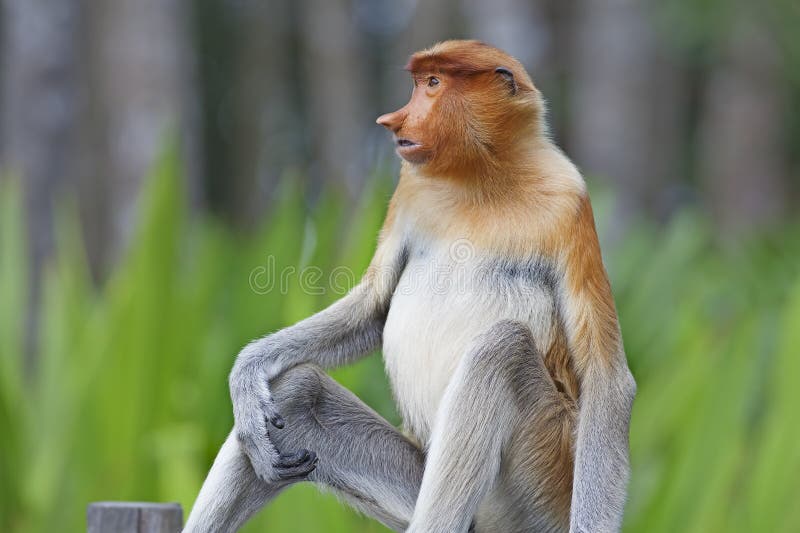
x=134, y=517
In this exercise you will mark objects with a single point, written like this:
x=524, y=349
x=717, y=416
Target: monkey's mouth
x=411, y=151
x=406, y=143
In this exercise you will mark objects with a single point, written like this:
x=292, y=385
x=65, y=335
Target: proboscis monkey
x=488, y=296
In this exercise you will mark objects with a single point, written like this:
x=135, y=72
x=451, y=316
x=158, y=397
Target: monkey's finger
x=277, y=421
x=301, y=470
x=268, y=408
x=288, y=460
x=298, y=472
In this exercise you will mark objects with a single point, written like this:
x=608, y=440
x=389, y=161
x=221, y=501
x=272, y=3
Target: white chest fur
x=448, y=294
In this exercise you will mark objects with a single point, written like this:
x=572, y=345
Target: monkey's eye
x=433, y=81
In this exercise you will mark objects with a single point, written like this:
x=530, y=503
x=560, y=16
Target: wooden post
x=134, y=517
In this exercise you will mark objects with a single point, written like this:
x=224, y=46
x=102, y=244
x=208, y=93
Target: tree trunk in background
x=516, y=26
x=742, y=130
x=533, y=33
x=263, y=112
x=335, y=75
x=615, y=133
x=141, y=76
x=398, y=29
x=430, y=23
x=252, y=125
x=40, y=106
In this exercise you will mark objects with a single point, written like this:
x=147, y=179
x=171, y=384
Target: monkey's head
x=472, y=109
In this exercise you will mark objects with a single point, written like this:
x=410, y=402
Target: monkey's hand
x=269, y=463
x=255, y=416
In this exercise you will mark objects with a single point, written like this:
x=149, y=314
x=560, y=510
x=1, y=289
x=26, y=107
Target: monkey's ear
x=508, y=76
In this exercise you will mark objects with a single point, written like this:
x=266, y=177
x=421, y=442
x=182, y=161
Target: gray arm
x=601, y=455
x=347, y=330
x=607, y=387
x=340, y=334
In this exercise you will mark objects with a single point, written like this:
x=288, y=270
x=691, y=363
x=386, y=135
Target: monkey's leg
x=362, y=458
x=500, y=386
x=231, y=493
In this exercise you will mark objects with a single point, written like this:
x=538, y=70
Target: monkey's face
x=412, y=124
x=472, y=108
x=455, y=124
x=443, y=126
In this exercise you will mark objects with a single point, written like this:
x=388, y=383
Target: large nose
x=392, y=121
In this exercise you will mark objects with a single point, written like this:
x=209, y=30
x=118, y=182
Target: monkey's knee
x=503, y=346
x=510, y=328
x=298, y=388
x=505, y=358
x=296, y=393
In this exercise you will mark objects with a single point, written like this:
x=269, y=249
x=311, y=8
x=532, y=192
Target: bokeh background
x=154, y=154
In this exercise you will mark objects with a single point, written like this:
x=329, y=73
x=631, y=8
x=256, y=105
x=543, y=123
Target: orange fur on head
x=476, y=121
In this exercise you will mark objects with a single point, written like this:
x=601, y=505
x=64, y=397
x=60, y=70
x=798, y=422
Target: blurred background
x=154, y=154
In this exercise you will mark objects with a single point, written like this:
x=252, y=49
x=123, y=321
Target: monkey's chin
x=414, y=153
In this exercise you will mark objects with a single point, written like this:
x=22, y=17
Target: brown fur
x=559, y=364
x=595, y=330
x=541, y=456
x=472, y=117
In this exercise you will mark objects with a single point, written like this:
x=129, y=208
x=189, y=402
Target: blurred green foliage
x=128, y=397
